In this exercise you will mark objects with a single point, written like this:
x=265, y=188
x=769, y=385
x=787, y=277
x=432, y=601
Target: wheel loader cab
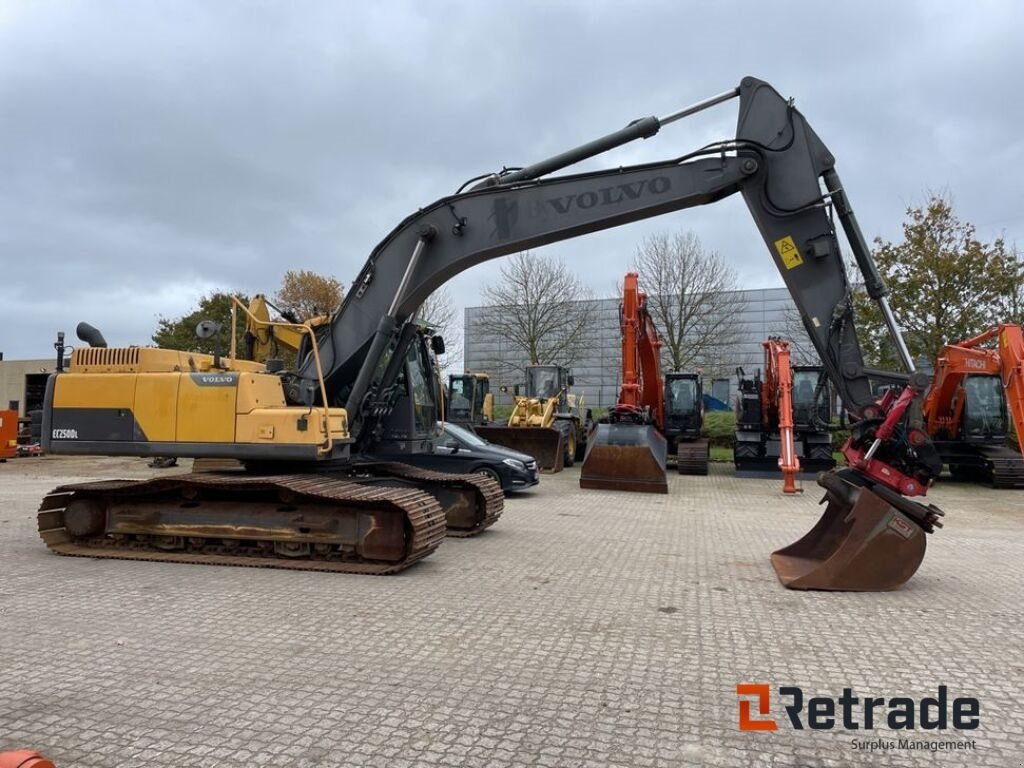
x=461, y=399
x=545, y=381
x=469, y=399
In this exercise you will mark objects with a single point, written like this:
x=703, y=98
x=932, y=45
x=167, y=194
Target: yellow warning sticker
x=788, y=252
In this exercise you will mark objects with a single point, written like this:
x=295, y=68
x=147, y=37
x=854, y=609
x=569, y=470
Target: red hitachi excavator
x=965, y=411
x=627, y=450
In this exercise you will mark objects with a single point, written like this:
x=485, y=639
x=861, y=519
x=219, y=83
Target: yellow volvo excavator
x=330, y=448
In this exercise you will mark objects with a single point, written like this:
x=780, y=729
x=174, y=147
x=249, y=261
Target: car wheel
x=489, y=472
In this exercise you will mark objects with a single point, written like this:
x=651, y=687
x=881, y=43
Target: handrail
x=302, y=328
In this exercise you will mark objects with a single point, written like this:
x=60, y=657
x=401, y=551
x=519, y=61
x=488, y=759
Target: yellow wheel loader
x=549, y=422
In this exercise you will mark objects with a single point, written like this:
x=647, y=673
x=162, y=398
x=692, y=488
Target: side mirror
x=437, y=344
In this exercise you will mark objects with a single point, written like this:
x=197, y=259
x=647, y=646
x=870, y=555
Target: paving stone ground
x=587, y=628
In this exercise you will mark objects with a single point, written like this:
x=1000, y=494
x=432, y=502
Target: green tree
x=1012, y=310
x=944, y=284
x=180, y=332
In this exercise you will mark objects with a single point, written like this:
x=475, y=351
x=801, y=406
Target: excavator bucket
x=625, y=457
x=862, y=543
x=546, y=445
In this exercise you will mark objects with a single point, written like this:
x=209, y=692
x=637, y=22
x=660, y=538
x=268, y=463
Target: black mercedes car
x=458, y=450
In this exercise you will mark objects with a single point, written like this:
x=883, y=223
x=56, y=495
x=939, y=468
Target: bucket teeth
x=862, y=543
x=625, y=457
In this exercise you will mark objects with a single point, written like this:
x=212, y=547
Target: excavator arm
x=777, y=394
x=1011, y=352
x=784, y=172
x=642, y=394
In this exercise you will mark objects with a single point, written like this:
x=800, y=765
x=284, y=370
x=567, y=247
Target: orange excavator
x=24, y=758
x=965, y=411
x=628, y=450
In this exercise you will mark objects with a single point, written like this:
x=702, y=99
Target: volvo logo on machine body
x=506, y=211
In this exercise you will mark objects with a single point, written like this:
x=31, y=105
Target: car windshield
x=463, y=435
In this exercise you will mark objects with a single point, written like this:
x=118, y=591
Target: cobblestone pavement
x=586, y=628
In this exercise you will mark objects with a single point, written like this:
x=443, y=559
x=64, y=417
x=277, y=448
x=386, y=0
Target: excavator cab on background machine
x=684, y=420
x=976, y=392
x=469, y=402
x=314, y=496
x=627, y=449
x=759, y=446
x=548, y=422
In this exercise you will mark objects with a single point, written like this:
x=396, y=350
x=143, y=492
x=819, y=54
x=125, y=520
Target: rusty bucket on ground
x=546, y=445
x=862, y=543
x=625, y=457
x=24, y=758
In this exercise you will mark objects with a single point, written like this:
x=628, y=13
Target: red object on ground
x=8, y=434
x=24, y=758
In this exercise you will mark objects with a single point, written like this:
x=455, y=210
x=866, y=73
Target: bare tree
x=440, y=314
x=802, y=351
x=693, y=299
x=539, y=309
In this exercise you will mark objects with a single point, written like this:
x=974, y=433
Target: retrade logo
x=763, y=693
x=850, y=712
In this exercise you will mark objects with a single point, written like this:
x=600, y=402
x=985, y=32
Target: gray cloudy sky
x=152, y=151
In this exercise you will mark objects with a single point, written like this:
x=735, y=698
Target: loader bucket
x=861, y=544
x=546, y=445
x=625, y=457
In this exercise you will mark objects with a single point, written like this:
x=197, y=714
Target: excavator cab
x=810, y=405
x=985, y=418
x=684, y=408
x=684, y=420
